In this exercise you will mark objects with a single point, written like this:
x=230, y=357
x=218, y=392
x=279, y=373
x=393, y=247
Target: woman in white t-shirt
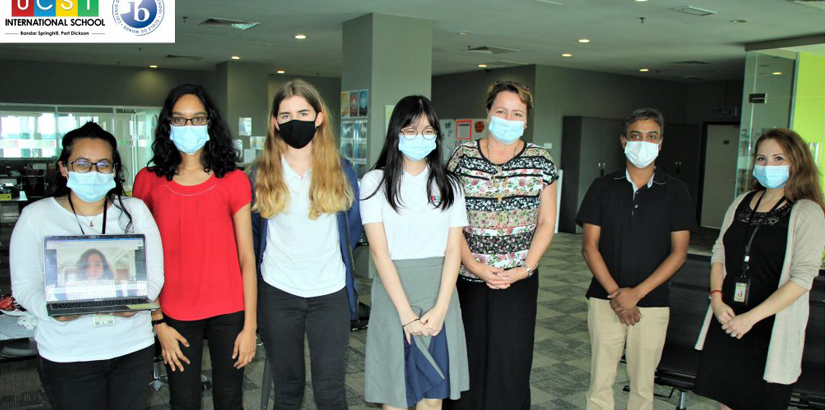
x=413, y=213
x=89, y=362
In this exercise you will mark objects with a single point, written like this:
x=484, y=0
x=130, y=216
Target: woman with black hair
x=413, y=213
x=94, y=266
x=91, y=362
x=202, y=206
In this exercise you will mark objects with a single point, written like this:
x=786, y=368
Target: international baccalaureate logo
x=139, y=17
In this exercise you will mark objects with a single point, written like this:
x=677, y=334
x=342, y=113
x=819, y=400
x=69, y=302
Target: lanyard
x=747, y=257
x=78, y=220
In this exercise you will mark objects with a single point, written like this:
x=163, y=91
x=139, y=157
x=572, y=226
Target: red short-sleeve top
x=202, y=273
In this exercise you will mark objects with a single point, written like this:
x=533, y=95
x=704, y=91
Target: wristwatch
x=159, y=321
x=528, y=269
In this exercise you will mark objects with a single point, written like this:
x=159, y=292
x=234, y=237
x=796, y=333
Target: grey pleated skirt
x=384, y=377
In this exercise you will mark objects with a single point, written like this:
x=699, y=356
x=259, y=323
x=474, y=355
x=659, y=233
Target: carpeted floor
x=560, y=375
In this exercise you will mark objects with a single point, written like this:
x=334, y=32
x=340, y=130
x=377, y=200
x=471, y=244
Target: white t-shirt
x=80, y=340
x=302, y=256
x=419, y=229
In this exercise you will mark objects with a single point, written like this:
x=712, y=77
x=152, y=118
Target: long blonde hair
x=330, y=191
x=804, y=180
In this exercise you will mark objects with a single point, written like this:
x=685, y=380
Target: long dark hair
x=93, y=131
x=83, y=264
x=391, y=160
x=219, y=154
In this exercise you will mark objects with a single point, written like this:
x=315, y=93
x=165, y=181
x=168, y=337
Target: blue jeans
x=283, y=321
x=121, y=383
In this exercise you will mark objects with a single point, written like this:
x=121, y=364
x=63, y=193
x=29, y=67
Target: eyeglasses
x=83, y=166
x=638, y=136
x=181, y=121
x=410, y=133
x=514, y=84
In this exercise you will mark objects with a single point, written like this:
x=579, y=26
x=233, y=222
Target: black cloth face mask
x=297, y=134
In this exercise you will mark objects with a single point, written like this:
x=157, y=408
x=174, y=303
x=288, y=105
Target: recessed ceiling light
x=235, y=57
x=739, y=21
x=153, y=66
x=777, y=73
x=644, y=70
x=482, y=66
x=641, y=1
x=300, y=36
x=584, y=40
x=281, y=72
x=567, y=55
x=464, y=33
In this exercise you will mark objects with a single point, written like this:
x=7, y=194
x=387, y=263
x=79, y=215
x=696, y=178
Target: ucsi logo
x=54, y=8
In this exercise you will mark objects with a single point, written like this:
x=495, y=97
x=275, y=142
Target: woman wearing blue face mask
x=511, y=206
x=413, y=213
x=768, y=253
x=92, y=362
x=201, y=203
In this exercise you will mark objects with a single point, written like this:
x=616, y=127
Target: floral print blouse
x=502, y=202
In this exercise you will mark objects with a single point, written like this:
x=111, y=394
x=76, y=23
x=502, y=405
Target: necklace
x=69, y=198
x=498, y=182
x=91, y=220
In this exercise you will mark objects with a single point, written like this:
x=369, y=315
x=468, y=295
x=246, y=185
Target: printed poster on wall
x=448, y=141
x=244, y=126
x=353, y=103
x=363, y=103
x=464, y=129
x=344, y=104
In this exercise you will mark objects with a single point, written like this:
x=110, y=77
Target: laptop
x=92, y=274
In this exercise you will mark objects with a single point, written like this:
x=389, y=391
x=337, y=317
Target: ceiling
x=539, y=29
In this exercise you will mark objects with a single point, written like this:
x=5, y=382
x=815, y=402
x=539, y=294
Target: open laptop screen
x=94, y=267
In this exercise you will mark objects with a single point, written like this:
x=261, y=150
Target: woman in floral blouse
x=510, y=191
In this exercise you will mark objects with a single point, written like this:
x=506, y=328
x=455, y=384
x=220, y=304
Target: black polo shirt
x=635, y=229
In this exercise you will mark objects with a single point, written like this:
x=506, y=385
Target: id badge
x=741, y=290
x=103, y=320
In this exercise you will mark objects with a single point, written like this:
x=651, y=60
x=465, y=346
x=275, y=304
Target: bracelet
x=405, y=325
x=159, y=321
x=716, y=290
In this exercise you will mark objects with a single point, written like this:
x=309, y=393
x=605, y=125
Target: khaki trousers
x=609, y=338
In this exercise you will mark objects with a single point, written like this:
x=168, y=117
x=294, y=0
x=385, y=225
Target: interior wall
x=563, y=91
x=702, y=97
x=86, y=84
x=809, y=106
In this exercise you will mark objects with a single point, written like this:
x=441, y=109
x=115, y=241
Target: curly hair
x=219, y=155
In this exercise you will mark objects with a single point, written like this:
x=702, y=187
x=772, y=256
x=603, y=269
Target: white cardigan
x=803, y=258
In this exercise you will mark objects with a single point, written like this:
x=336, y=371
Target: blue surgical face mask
x=417, y=148
x=90, y=186
x=772, y=176
x=189, y=138
x=506, y=131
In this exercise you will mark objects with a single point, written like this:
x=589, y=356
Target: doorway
x=719, y=172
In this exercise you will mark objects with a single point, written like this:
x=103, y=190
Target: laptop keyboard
x=101, y=303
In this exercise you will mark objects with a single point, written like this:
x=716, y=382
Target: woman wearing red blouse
x=202, y=207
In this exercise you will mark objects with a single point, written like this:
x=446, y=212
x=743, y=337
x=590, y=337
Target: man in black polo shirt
x=637, y=225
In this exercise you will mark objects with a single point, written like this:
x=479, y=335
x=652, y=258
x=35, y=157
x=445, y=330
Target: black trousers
x=121, y=383
x=500, y=328
x=185, y=387
x=284, y=319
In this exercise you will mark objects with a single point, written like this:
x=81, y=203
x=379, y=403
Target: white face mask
x=640, y=153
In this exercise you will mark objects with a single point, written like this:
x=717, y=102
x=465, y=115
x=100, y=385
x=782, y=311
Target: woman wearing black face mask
x=305, y=220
